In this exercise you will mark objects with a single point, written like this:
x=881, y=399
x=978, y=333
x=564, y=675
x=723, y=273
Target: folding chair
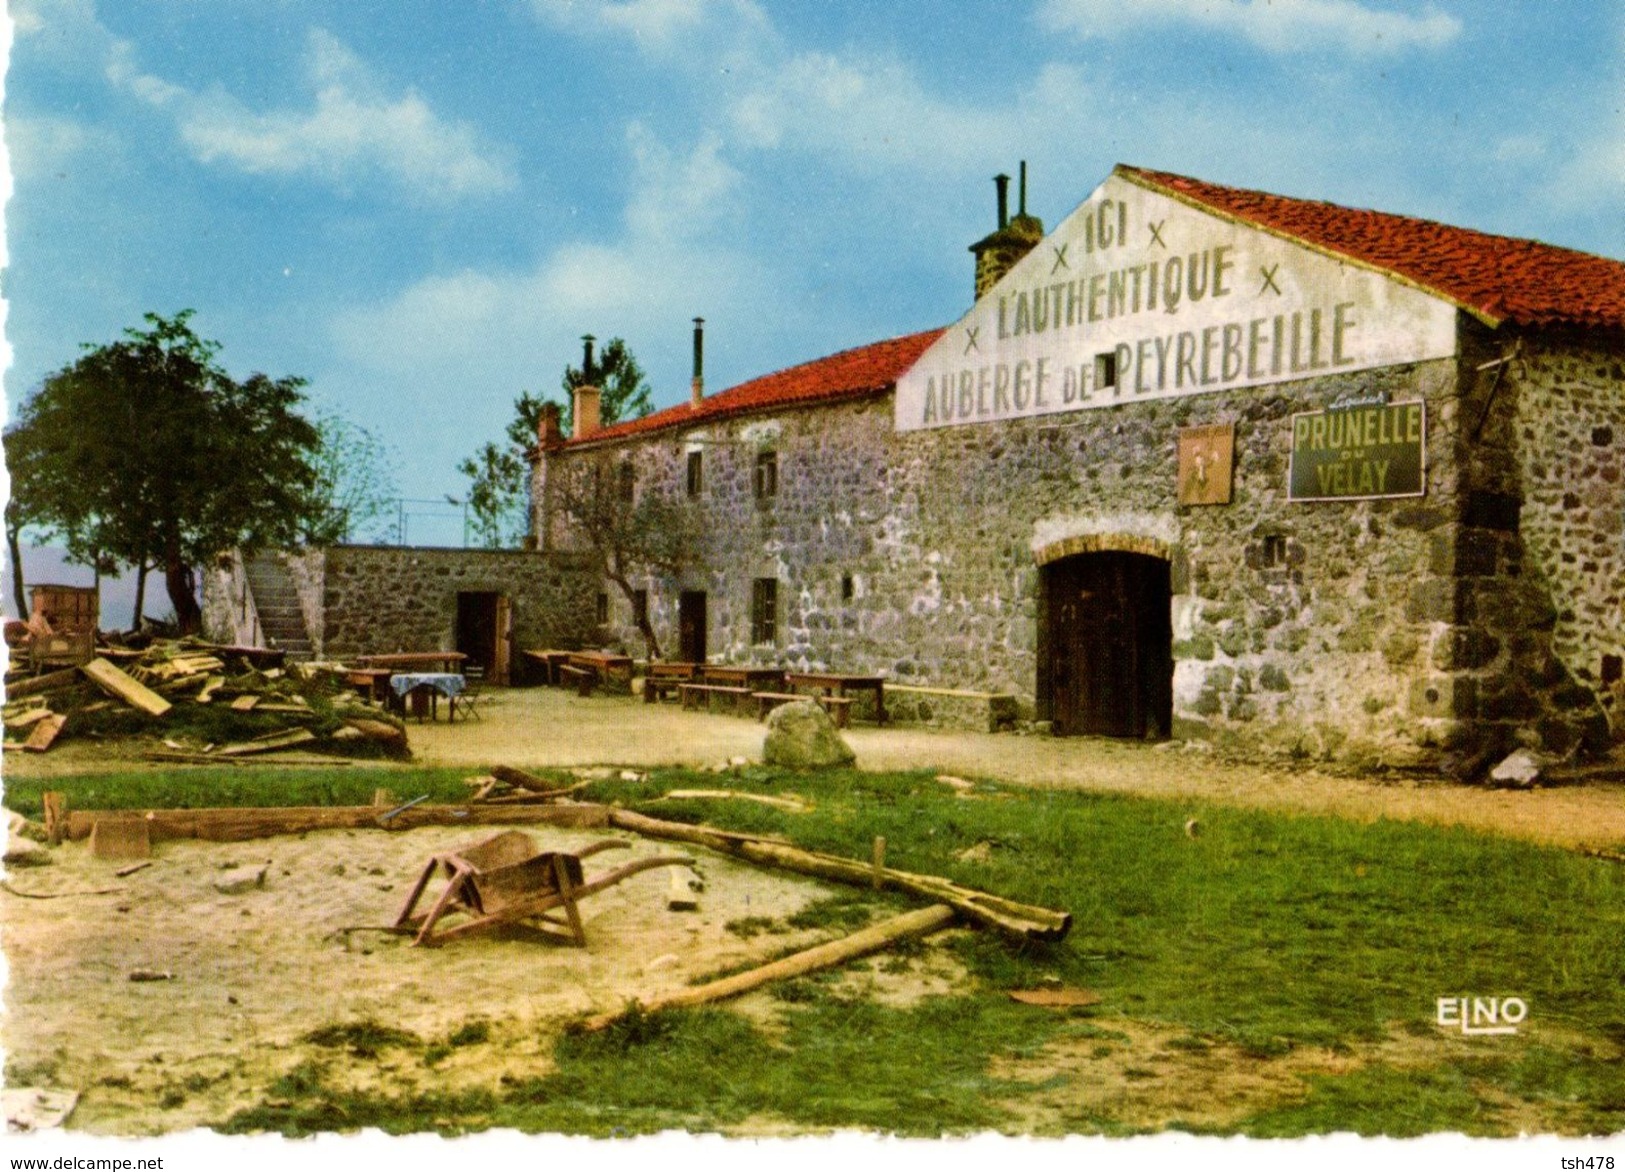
x=505, y=880
x=473, y=691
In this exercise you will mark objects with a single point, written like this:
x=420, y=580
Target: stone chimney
x=549, y=434
x=697, y=386
x=548, y=452
x=586, y=411
x=587, y=396
x=1013, y=239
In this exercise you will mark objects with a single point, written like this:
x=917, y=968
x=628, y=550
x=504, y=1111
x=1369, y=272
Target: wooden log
x=1018, y=920
x=229, y=824
x=120, y=837
x=122, y=686
x=680, y=895
x=30, y=717
x=518, y=777
x=908, y=926
x=49, y=682
x=793, y=804
x=45, y=733
x=268, y=744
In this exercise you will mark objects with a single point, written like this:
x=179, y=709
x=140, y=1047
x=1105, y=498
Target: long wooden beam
x=921, y=922
x=231, y=824
x=1019, y=920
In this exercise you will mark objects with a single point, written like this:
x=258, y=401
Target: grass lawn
x=1264, y=937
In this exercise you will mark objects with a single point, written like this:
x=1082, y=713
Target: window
x=846, y=588
x=1106, y=370
x=1274, y=550
x=767, y=475
x=626, y=481
x=696, y=474
x=640, y=607
x=603, y=609
x=764, y=610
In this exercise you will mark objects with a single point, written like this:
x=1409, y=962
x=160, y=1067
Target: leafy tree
x=653, y=533
x=625, y=394
x=497, y=476
x=354, y=491
x=496, y=495
x=146, y=453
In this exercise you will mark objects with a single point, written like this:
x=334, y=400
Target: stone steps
x=282, y=622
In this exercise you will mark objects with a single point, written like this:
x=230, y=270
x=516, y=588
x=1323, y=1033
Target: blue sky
x=420, y=206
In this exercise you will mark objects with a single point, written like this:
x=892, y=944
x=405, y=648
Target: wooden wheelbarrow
x=505, y=879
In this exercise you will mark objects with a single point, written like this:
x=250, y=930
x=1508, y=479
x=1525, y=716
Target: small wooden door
x=479, y=628
x=502, y=653
x=691, y=635
x=1108, y=645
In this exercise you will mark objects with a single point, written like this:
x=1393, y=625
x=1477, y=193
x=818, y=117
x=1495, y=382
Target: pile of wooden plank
x=281, y=707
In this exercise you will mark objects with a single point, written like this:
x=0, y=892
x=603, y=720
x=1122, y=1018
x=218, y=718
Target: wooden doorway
x=691, y=636
x=484, y=619
x=1106, y=645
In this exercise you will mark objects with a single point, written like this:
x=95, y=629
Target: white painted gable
x=1137, y=295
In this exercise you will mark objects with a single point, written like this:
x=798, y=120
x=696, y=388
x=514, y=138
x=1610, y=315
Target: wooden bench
x=692, y=694
x=584, y=678
x=838, y=707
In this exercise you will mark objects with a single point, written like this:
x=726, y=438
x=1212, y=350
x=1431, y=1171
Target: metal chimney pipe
x=698, y=384
x=1002, y=182
x=586, y=358
x=1023, y=208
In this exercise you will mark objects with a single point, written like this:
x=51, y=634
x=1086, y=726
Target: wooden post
x=382, y=799
x=56, y=815
x=880, y=861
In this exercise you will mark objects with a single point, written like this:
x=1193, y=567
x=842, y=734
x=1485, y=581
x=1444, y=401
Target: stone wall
x=1561, y=412
x=381, y=599
x=1400, y=631
x=368, y=600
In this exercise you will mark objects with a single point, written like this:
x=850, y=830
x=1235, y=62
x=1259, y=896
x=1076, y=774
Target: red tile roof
x=1495, y=278
x=851, y=374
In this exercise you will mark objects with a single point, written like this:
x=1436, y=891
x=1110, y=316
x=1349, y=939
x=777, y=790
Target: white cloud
x=658, y=26
x=1278, y=26
x=42, y=146
x=498, y=332
x=351, y=130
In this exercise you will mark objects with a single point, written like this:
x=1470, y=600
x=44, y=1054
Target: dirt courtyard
x=251, y=975
x=550, y=727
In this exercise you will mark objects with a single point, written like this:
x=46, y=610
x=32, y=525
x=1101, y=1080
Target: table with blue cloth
x=424, y=688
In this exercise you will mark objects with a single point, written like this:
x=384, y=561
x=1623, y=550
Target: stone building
x=1200, y=462
x=346, y=600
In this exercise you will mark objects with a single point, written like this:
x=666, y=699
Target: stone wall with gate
x=378, y=599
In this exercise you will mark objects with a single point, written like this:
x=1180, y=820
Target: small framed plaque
x=1207, y=456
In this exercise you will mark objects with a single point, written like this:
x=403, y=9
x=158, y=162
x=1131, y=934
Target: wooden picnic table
x=605, y=663
x=836, y=683
x=661, y=679
x=407, y=661
x=421, y=691
x=549, y=661
x=371, y=682
x=671, y=670
x=744, y=677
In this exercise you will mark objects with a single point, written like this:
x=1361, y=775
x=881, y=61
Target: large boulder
x=800, y=735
